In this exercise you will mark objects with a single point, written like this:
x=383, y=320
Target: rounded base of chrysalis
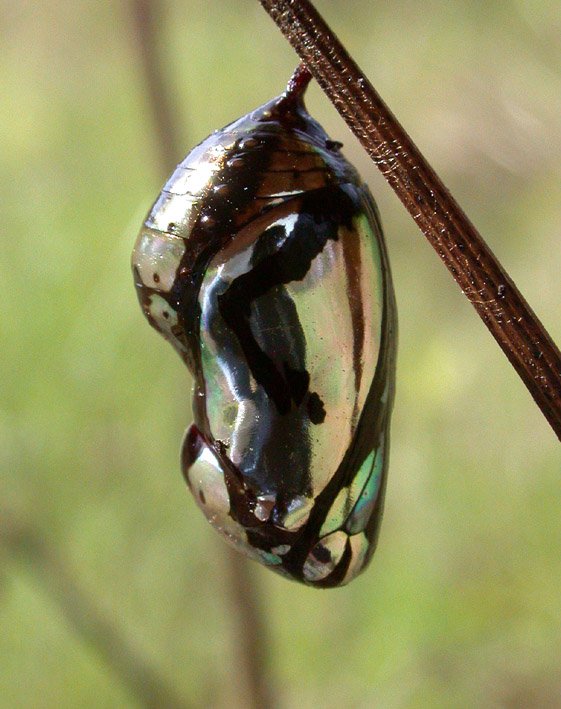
x=326, y=549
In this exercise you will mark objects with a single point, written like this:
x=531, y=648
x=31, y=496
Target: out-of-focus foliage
x=462, y=604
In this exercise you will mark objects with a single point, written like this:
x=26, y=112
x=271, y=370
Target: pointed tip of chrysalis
x=298, y=82
x=290, y=104
x=293, y=96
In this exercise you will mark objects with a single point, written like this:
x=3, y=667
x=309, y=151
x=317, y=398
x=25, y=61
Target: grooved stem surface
x=483, y=280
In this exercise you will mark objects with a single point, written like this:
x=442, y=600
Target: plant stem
x=97, y=628
x=145, y=16
x=483, y=280
x=251, y=649
x=252, y=634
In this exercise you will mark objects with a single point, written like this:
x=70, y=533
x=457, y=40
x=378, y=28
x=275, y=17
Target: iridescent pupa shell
x=263, y=263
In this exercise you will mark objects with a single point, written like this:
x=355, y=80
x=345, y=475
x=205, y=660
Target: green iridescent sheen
x=363, y=508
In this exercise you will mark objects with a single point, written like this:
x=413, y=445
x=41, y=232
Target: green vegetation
x=462, y=604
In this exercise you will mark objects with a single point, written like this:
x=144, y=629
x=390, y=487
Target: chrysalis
x=263, y=263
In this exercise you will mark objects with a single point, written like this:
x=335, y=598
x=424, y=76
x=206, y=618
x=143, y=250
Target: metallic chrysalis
x=263, y=263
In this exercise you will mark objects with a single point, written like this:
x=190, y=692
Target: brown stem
x=251, y=641
x=145, y=16
x=97, y=628
x=251, y=637
x=483, y=280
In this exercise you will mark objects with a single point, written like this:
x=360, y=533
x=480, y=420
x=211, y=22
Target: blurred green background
x=461, y=606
